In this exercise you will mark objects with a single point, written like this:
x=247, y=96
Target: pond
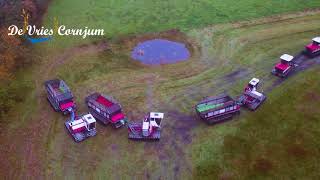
x=160, y=51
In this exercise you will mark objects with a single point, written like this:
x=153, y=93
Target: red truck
x=313, y=49
x=106, y=109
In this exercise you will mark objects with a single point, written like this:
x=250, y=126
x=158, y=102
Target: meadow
x=123, y=17
x=277, y=141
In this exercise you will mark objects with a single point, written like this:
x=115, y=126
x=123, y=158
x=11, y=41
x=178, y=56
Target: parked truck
x=106, y=109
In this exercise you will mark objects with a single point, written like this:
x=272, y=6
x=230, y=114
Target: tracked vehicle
x=148, y=129
x=285, y=66
x=106, y=109
x=81, y=127
x=313, y=49
x=60, y=96
x=251, y=98
x=217, y=109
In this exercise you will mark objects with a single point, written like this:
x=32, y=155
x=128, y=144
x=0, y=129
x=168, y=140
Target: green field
x=123, y=17
x=279, y=141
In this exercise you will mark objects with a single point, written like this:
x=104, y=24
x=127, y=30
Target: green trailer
x=217, y=109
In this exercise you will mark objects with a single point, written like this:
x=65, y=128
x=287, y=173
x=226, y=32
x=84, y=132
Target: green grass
x=125, y=17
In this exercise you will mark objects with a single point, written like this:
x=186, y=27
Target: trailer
x=81, y=127
x=251, y=98
x=60, y=96
x=217, y=109
x=313, y=49
x=285, y=66
x=106, y=109
x=148, y=129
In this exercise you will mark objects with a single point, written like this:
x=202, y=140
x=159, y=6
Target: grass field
x=124, y=17
x=273, y=142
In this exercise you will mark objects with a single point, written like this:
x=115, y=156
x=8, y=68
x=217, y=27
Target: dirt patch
x=297, y=151
x=175, y=136
x=183, y=125
x=263, y=165
x=95, y=47
x=236, y=75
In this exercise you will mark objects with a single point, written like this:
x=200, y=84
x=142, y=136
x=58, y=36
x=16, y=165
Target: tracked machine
x=60, y=96
x=285, y=66
x=251, y=98
x=313, y=49
x=81, y=127
x=106, y=109
x=148, y=129
x=217, y=109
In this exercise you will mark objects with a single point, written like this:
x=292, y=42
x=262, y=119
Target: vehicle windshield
x=92, y=126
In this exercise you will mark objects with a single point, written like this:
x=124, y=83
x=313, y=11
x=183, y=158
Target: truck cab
x=252, y=85
x=285, y=65
x=313, y=49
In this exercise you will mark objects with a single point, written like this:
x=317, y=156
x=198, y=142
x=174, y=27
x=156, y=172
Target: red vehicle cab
x=284, y=67
x=106, y=109
x=313, y=49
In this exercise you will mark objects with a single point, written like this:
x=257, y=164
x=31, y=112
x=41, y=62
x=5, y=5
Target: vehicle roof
x=254, y=81
x=316, y=39
x=156, y=115
x=89, y=118
x=286, y=57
